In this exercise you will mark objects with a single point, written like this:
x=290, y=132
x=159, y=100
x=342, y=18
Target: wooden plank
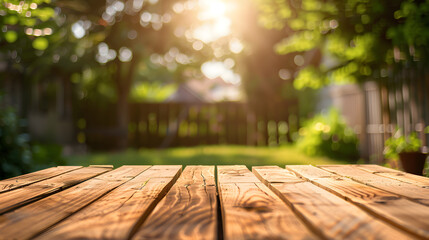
x=274, y=174
x=102, y=166
x=374, y=168
x=119, y=213
x=27, y=179
x=330, y=216
x=395, y=174
x=251, y=211
x=403, y=213
x=410, y=191
x=188, y=211
x=13, y=199
x=32, y=219
x=235, y=174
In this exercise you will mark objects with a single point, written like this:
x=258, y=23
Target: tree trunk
x=122, y=111
x=123, y=87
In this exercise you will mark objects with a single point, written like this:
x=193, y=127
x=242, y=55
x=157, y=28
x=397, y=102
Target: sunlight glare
x=214, y=69
x=235, y=45
x=125, y=54
x=77, y=30
x=211, y=9
x=211, y=32
x=178, y=7
x=197, y=45
x=215, y=24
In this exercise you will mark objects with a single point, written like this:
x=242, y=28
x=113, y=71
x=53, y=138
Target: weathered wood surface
x=407, y=190
x=403, y=213
x=373, y=168
x=396, y=174
x=118, y=214
x=153, y=202
x=27, y=179
x=251, y=211
x=188, y=211
x=22, y=196
x=30, y=220
x=235, y=174
x=328, y=215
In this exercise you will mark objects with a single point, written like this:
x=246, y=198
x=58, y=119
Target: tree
x=128, y=37
x=359, y=39
x=26, y=28
x=133, y=35
x=112, y=42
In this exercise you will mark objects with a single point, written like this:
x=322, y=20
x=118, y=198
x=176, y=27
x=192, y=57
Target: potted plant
x=408, y=149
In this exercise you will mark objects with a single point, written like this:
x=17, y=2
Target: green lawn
x=203, y=155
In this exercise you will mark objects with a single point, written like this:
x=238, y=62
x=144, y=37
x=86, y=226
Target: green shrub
x=399, y=143
x=46, y=155
x=15, y=154
x=328, y=135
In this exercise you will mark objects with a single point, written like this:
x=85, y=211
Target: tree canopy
x=358, y=39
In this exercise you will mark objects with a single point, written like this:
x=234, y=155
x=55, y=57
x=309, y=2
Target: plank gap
x=407, y=190
x=316, y=231
x=30, y=220
x=219, y=216
x=250, y=210
x=80, y=209
x=152, y=206
x=34, y=177
x=36, y=191
x=113, y=215
x=372, y=206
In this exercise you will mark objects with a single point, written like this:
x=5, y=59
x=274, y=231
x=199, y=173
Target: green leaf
x=44, y=14
x=299, y=42
x=29, y=22
x=11, y=36
x=309, y=77
x=11, y=20
x=40, y=43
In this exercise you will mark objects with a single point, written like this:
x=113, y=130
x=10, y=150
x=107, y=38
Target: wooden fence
x=377, y=110
x=162, y=125
x=402, y=101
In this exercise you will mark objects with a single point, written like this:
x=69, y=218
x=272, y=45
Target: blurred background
x=255, y=82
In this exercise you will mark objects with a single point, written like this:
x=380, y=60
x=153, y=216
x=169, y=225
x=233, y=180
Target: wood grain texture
x=408, y=190
x=403, y=213
x=395, y=174
x=25, y=195
x=251, y=211
x=117, y=214
x=27, y=179
x=374, y=168
x=275, y=174
x=102, y=166
x=32, y=219
x=235, y=174
x=188, y=211
x=329, y=215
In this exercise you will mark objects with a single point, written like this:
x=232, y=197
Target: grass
x=203, y=155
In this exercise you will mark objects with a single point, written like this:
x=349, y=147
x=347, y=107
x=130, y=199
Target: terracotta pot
x=413, y=162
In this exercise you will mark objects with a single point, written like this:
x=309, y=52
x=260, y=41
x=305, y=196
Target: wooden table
x=162, y=202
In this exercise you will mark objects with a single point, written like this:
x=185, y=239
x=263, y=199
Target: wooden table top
x=208, y=202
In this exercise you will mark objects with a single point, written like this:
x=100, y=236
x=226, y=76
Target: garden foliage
x=17, y=155
x=328, y=135
x=358, y=39
x=399, y=143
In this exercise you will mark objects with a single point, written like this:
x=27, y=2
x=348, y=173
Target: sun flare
x=211, y=9
x=215, y=24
